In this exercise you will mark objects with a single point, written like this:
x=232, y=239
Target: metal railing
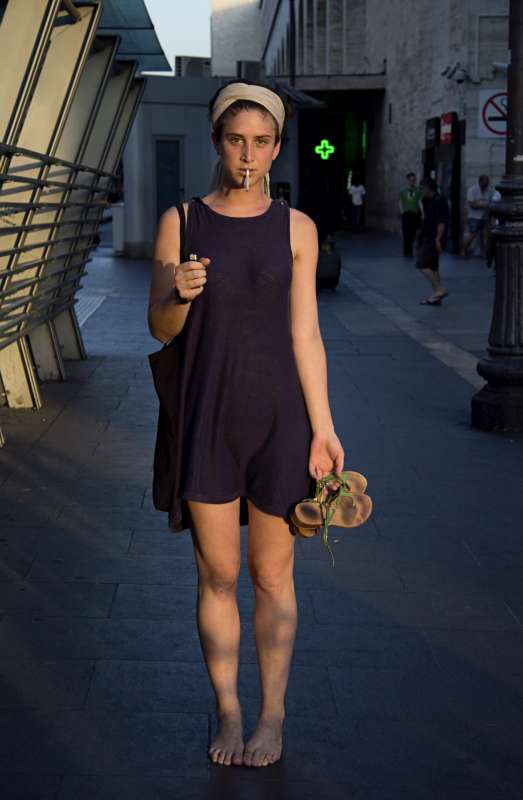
x=36, y=290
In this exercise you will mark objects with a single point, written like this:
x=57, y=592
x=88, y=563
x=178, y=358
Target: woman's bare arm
x=306, y=336
x=166, y=316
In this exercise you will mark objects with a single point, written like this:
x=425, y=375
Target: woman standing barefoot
x=254, y=426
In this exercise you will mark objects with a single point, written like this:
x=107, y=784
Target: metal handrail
x=36, y=301
x=18, y=286
x=37, y=320
x=44, y=158
x=40, y=226
x=41, y=262
x=32, y=293
x=18, y=207
x=26, y=247
x=6, y=177
x=10, y=304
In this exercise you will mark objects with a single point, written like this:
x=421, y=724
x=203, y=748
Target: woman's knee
x=216, y=539
x=272, y=578
x=220, y=578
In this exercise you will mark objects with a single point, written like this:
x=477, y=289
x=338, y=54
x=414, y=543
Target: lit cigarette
x=246, y=184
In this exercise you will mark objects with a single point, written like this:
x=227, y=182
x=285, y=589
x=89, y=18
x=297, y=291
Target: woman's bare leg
x=271, y=563
x=216, y=538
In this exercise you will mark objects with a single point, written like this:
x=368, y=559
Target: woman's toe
x=257, y=758
x=237, y=759
x=227, y=759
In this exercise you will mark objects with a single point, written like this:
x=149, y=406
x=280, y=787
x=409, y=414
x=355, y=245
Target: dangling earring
x=266, y=185
x=217, y=176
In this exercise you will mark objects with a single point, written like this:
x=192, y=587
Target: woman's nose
x=247, y=153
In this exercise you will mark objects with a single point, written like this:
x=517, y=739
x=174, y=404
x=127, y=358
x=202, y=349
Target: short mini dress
x=241, y=425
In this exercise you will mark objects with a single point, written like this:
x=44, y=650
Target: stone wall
x=235, y=35
x=419, y=40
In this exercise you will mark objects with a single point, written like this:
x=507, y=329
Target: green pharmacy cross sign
x=325, y=149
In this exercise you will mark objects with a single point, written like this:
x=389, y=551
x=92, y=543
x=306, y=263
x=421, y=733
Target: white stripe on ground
x=460, y=361
x=86, y=306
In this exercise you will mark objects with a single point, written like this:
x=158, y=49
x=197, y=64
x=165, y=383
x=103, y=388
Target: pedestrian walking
x=252, y=410
x=431, y=240
x=479, y=198
x=357, y=194
x=410, y=210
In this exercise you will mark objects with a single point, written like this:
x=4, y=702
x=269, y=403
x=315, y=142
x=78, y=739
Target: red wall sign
x=447, y=131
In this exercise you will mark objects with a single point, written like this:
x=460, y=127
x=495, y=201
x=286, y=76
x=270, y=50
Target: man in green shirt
x=410, y=210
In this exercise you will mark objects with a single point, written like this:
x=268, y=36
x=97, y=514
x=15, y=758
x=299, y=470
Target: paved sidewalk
x=407, y=680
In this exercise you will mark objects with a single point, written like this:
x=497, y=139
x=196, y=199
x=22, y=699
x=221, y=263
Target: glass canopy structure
x=130, y=20
x=70, y=89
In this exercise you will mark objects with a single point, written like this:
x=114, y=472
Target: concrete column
x=335, y=37
x=308, y=39
x=320, y=39
x=21, y=58
x=300, y=37
x=119, y=105
x=71, y=147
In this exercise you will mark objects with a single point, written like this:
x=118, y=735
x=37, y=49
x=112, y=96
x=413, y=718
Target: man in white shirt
x=357, y=192
x=479, y=198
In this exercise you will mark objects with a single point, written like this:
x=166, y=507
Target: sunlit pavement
x=407, y=680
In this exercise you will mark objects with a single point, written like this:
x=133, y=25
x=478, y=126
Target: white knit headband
x=245, y=91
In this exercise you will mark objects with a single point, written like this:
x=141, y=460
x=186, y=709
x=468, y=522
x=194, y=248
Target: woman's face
x=248, y=141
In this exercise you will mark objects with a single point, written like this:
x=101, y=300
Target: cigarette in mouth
x=246, y=183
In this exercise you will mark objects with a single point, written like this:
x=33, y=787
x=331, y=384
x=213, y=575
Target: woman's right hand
x=190, y=278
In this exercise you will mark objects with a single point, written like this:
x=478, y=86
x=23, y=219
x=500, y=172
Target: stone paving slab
x=424, y=610
x=407, y=677
x=97, y=741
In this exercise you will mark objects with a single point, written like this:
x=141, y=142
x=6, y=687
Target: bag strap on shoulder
x=184, y=255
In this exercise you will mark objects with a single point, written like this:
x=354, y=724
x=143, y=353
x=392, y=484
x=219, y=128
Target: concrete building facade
x=407, y=84
x=169, y=155
x=235, y=35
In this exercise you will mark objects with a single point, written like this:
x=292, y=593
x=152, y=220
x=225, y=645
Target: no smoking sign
x=493, y=107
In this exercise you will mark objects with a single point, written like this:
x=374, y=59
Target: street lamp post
x=499, y=405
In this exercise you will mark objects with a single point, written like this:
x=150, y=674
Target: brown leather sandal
x=343, y=506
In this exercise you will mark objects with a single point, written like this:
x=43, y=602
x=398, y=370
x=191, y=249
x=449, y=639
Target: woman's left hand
x=326, y=455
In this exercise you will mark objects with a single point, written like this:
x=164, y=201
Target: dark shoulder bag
x=165, y=366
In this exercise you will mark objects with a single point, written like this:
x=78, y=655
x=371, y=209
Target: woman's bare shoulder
x=171, y=214
x=304, y=234
x=300, y=216
x=302, y=220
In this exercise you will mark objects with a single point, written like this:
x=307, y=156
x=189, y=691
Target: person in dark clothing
x=409, y=204
x=431, y=239
x=253, y=425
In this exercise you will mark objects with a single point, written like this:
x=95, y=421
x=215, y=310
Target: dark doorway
x=332, y=145
x=169, y=190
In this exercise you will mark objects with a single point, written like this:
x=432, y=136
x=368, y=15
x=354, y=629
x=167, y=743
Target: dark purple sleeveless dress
x=244, y=427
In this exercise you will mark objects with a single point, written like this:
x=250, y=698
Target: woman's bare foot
x=227, y=746
x=265, y=745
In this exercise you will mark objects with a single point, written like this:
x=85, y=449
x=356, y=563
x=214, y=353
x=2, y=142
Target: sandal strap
x=329, y=504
